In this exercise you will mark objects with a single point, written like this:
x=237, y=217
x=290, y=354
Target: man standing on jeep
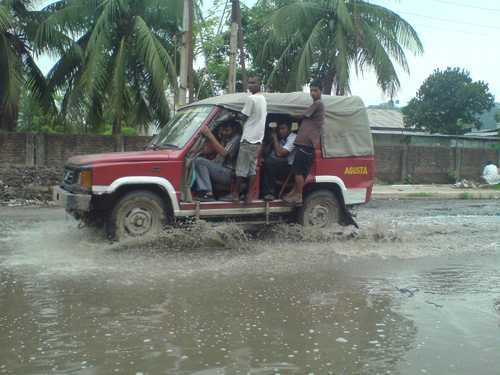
x=255, y=110
x=307, y=138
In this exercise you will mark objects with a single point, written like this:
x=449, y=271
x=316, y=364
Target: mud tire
x=137, y=214
x=321, y=209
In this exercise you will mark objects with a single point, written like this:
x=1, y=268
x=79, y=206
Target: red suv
x=137, y=193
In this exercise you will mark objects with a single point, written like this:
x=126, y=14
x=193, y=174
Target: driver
x=221, y=168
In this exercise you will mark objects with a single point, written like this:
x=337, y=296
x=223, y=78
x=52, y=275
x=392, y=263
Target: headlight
x=85, y=179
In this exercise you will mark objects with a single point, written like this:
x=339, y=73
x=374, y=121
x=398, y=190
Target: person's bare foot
x=249, y=199
x=289, y=194
x=293, y=199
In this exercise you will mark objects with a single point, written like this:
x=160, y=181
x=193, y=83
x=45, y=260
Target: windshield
x=181, y=128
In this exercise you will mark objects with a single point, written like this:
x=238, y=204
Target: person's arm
x=220, y=149
x=279, y=150
x=248, y=107
x=308, y=113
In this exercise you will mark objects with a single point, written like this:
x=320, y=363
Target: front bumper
x=70, y=201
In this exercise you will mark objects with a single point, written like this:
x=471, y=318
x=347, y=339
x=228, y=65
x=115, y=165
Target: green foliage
x=18, y=70
x=325, y=39
x=452, y=177
x=117, y=60
x=126, y=131
x=448, y=102
x=121, y=66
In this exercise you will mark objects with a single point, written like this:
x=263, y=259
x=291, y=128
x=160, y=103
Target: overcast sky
x=456, y=33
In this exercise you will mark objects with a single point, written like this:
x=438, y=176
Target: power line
x=468, y=5
x=222, y=17
x=451, y=21
x=473, y=34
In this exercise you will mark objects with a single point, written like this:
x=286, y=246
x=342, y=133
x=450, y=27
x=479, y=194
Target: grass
x=466, y=196
x=422, y=194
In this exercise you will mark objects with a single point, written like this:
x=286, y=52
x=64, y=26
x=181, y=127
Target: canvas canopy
x=346, y=130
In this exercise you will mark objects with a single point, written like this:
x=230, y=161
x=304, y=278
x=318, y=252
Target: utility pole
x=190, y=54
x=186, y=63
x=241, y=46
x=233, y=47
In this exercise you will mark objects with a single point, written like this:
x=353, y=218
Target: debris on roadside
x=466, y=184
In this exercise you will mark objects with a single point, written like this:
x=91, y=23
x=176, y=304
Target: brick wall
x=13, y=148
x=429, y=164
x=60, y=147
x=34, y=160
x=388, y=163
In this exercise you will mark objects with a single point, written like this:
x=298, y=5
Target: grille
x=70, y=176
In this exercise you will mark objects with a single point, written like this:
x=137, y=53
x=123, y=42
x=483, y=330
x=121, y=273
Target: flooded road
x=415, y=291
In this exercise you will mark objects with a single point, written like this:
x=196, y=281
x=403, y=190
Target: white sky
x=456, y=33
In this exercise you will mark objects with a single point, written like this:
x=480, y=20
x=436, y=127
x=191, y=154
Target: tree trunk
x=185, y=54
x=117, y=126
x=190, y=53
x=327, y=82
x=241, y=45
x=233, y=49
x=8, y=118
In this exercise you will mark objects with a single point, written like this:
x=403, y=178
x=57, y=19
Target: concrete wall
x=31, y=162
x=55, y=149
x=430, y=164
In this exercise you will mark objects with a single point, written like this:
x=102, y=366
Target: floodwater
x=415, y=291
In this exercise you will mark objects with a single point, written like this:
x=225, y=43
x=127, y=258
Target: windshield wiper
x=165, y=145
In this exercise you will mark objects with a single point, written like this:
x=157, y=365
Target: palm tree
x=119, y=62
x=326, y=38
x=18, y=69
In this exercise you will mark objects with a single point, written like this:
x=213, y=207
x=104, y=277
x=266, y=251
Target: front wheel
x=321, y=209
x=137, y=214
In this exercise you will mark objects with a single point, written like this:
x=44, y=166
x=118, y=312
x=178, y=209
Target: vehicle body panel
x=164, y=168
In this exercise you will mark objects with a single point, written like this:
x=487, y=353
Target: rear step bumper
x=217, y=208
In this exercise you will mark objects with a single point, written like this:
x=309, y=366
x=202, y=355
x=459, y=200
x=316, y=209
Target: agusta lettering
x=349, y=171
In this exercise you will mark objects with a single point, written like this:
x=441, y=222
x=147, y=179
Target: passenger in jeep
x=308, y=137
x=277, y=163
x=221, y=169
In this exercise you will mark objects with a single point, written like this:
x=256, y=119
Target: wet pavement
x=416, y=290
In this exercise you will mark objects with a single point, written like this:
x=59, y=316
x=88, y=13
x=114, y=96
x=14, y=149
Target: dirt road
x=415, y=290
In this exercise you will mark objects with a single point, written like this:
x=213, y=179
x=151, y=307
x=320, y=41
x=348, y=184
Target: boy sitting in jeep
x=219, y=170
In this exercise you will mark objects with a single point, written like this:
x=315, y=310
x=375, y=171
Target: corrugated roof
x=385, y=118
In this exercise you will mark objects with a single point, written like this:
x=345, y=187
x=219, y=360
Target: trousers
x=273, y=169
x=208, y=171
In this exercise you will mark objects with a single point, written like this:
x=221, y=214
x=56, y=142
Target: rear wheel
x=137, y=214
x=321, y=209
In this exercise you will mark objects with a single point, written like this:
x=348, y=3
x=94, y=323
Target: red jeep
x=137, y=193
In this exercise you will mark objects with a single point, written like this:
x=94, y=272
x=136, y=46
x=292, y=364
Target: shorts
x=304, y=157
x=246, y=164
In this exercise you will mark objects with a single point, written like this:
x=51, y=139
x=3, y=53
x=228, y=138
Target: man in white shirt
x=255, y=110
x=277, y=164
x=490, y=173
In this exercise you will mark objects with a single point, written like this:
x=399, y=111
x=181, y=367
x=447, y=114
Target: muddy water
x=416, y=290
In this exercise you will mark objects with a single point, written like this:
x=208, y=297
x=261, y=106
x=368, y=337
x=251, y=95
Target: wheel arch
x=158, y=185
x=330, y=183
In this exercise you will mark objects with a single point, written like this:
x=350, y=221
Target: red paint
x=169, y=164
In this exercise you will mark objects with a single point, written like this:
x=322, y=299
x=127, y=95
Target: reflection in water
x=71, y=303
x=295, y=324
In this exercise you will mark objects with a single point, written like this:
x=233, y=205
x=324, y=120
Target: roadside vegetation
x=448, y=102
x=117, y=62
